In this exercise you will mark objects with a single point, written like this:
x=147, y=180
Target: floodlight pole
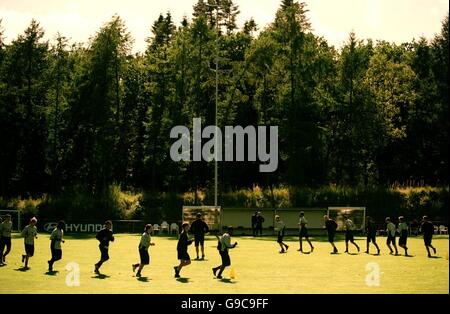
x=216, y=153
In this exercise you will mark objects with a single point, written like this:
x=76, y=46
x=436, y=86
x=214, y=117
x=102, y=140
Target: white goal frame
x=201, y=208
x=349, y=208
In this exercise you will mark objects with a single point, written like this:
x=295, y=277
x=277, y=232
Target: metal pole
x=217, y=98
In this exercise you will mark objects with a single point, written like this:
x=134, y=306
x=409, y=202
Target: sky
x=392, y=20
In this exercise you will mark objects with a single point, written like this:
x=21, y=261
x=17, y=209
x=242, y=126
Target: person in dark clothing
x=371, y=232
x=223, y=245
x=428, y=231
x=5, y=237
x=259, y=221
x=303, y=232
x=331, y=226
x=403, y=230
x=199, y=228
x=254, y=222
x=55, y=245
x=104, y=236
x=182, y=249
x=414, y=227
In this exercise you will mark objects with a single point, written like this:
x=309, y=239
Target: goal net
x=211, y=215
x=355, y=214
x=15, y=218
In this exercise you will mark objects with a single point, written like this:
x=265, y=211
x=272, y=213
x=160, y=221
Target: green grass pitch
x=259, y=268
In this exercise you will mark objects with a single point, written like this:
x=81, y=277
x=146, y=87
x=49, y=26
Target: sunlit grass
x=258, y=266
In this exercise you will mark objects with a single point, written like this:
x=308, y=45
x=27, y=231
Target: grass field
x=258, y=266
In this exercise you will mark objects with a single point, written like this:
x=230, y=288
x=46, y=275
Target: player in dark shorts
x=280, y=228
x=403, y=230
x=259, y=222
x=349, y=227
x=29, y=233
x=371, y=232
x=56, y=239
x=427, y=228
x=182, y=249
x=254, y=222
x=331, y=226
x=303, y=232
x=104, y=236
x=391, y=232
x=224, y=243
x=144, y=244
x=5, y=238
x=199, y=228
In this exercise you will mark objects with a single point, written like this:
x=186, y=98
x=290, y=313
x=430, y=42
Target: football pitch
x=258, y=268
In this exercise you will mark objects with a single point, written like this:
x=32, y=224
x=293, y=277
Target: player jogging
x=428, y=230
x=104, y=236
x=223, y=245
x=331, y=227
x=5, y=238
x=144, y=244
x=403, y=230
x=182, y=249
x=391, y=231
x=56, y=239
x=349, y=227
x=302, y=223
x=280, y=227
x=371, y=232
x=29, y=233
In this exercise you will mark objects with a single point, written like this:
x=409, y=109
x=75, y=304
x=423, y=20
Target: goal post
x=355, y=214
x=212, y=215
x=16, y=220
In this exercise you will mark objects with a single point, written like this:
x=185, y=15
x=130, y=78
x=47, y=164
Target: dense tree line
x=89, y=115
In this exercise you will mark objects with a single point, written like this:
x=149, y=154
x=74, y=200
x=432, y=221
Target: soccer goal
x=355, y=214
x=15, y=218
x=212, y=215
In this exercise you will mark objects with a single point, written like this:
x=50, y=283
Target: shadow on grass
x=352, y=253
x=100, y=276
x=183, y=280
x=143, y=279
x=22, y=269
x=2, y=265
x=227, y=280
x=434, y=256
x=51, y=273
x=79, y=236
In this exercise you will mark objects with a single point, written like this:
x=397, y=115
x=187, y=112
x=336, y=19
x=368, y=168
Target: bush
x=113, y=203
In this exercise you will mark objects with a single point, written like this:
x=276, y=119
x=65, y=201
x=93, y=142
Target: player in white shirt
x=144, y=244
x=223, y=245
x=391, y=231
x=56, y=239
x=29, y=233
x=349, y=227
x=280, y=228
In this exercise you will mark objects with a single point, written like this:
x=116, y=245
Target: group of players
x=199, y=228
x=371, y=232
